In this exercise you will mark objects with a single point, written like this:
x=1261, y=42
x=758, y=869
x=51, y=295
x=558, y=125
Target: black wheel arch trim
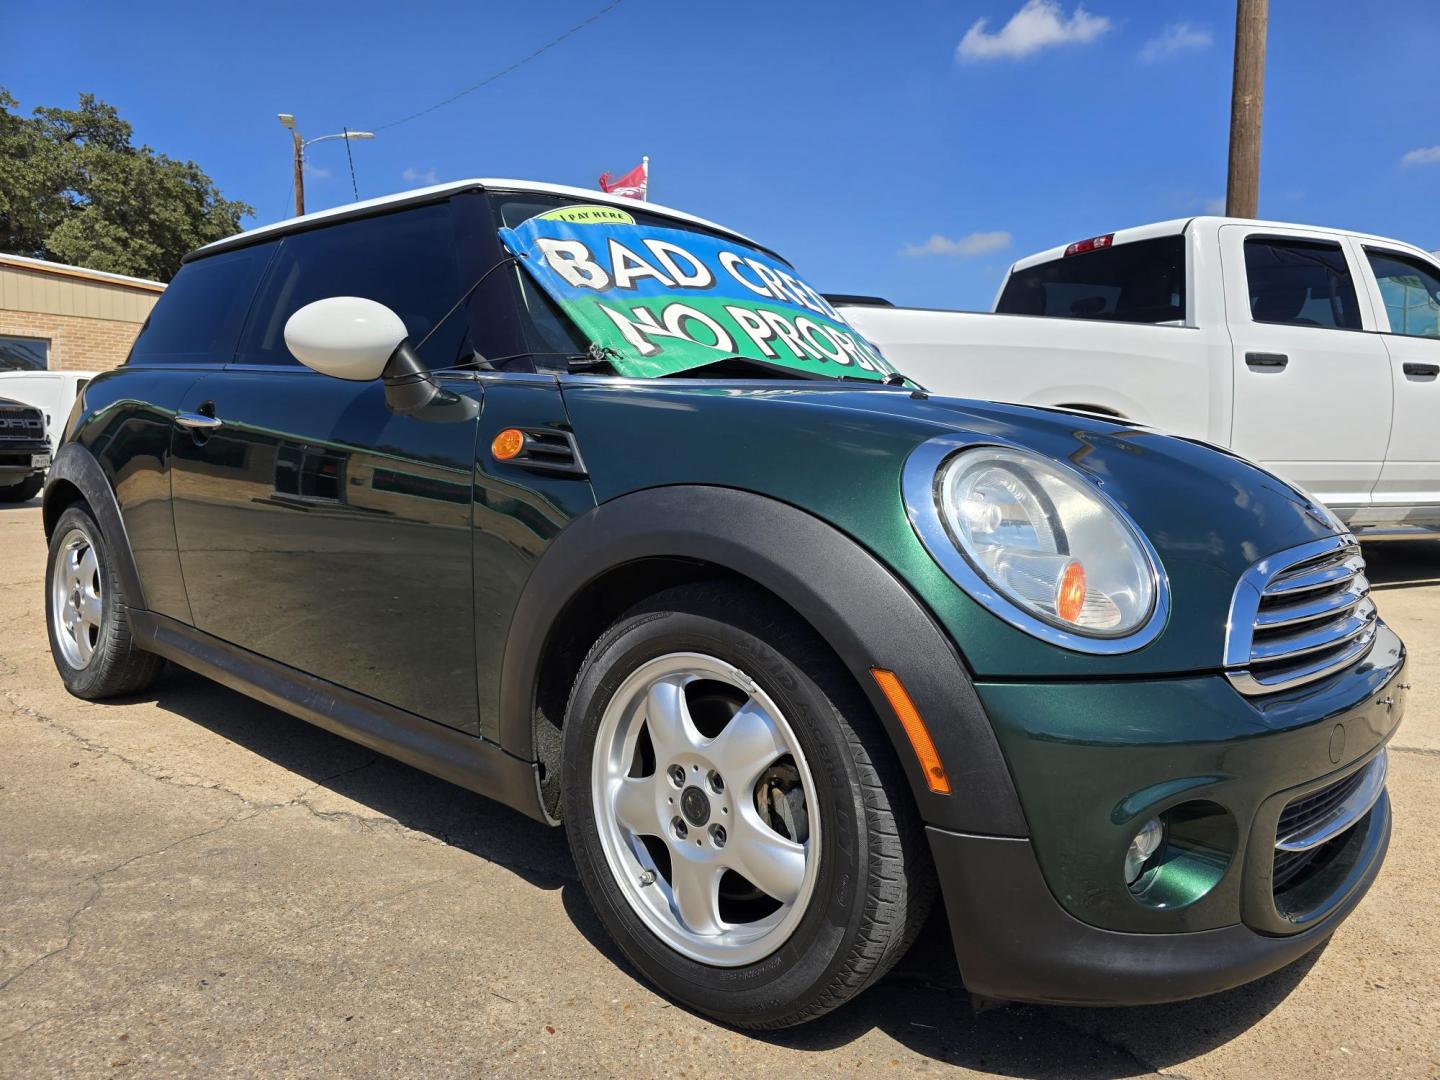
x=76, y=465
x=865, y=613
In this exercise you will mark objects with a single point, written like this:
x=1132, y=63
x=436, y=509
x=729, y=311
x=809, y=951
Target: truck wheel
x=23, y=491
x=735, y=810
x=87, y=614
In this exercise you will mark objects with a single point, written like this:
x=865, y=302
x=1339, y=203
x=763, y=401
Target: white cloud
x=1426, y=155
x=418, y=176
x=1176, y=38
x=316, y=172
x=1038, y=25
x=978, y=243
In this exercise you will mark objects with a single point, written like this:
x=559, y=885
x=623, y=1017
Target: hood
x=838, y=452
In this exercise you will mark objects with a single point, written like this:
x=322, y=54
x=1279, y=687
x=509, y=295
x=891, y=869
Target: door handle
x=1421, y=371
x=1266, y=359
x=197, y=421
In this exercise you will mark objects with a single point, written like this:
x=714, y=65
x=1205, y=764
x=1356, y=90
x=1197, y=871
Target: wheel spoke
x=667, y=716
x=89, y=569
x=90, y=609
x=634, y=802
x=695, y=894
x=72, y=565
x=748, y=743
x=766, y=859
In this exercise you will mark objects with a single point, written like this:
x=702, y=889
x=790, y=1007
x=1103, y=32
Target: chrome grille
x=1310, y=823
x=1299, y=616
x=21, y=422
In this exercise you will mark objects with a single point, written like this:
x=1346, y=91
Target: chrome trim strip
x=918, y=490
x=1307, y=610
x=1325, y=636
x=1320, y=577
x=1251, y=685
x=1341, y=817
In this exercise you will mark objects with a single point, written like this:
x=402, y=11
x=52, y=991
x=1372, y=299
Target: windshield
x=653, y=296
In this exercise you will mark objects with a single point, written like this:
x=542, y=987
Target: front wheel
x=735, y=811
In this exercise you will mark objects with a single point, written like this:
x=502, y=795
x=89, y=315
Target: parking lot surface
x=191, y=882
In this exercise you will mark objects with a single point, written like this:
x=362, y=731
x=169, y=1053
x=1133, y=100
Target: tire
x=87, y=614
x=24, y=491
x=741, y=662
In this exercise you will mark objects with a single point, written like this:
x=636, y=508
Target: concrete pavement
x=193, y=883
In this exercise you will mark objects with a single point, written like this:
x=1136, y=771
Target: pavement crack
x=1117, y=1045
x=1425, y=751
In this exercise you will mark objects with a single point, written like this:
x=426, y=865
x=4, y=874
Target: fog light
x=1145, y=843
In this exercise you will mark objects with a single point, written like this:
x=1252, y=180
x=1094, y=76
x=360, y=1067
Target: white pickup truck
x=1311, y=350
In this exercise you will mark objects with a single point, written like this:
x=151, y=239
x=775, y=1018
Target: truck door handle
x=1266, y=359
x=197, y=421
x=1421, y=371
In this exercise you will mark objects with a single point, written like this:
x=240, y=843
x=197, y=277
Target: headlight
x=1038, y=544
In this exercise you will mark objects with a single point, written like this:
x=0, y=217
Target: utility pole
x=287, y=121
x=1247, y=103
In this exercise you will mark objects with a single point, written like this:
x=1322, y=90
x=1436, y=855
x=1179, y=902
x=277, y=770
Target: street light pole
x=288, y=122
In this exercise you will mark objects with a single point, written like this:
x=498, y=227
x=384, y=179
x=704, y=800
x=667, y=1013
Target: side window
x=405, y=260
x=197, y=318
x=1411, y=291
x=1300, y=283
x=1142, y=281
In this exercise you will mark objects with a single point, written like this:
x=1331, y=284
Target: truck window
x=1300, y=283
x=1139, y=282
x=1411, y=291
x=406, y=260
x=198, y=316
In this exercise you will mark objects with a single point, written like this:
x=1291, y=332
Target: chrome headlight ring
x=921, y=481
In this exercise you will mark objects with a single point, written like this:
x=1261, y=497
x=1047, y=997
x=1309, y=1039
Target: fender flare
x=75, y=464
x=865, y=613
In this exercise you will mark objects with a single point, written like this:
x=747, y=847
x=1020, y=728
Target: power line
x=351, y=158
x=504, y=71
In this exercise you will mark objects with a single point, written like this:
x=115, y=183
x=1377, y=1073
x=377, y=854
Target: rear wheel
x=735, y=812
x=23, y=491
x=87, y=614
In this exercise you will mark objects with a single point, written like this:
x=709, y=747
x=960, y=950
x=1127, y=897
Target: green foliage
x=74, y=189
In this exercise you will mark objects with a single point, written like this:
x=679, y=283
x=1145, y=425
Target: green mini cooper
x=600, y=510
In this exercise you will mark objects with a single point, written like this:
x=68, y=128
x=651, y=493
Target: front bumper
x=18, y=459
x=1014, y=942
x=1049, y=918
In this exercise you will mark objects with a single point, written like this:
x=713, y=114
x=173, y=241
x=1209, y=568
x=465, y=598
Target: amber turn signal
x=915, y=729
x=507, y=444
x=1070, y=596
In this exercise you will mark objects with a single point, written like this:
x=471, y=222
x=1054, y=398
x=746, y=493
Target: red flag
x=633, y=185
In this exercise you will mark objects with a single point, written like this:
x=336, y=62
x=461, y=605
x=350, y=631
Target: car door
x=316, y=525
x=1312, y=386
x=1406, y=294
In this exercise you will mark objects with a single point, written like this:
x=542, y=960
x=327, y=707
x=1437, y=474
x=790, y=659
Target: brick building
x=66, y=317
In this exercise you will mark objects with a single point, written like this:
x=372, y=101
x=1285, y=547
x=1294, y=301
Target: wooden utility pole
x=1247, y=103
x=299, y=173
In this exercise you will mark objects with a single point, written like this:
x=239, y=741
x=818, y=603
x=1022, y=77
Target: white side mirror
x=345, y=336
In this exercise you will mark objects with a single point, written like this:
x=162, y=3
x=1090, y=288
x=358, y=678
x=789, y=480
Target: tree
x=73, y=188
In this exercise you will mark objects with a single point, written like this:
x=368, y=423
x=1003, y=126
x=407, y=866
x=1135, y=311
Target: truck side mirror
x=347, y=337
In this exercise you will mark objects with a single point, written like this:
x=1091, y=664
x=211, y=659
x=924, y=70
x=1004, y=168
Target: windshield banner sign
x=670, y=300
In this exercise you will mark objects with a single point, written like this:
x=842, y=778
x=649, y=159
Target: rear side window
x=198, y=317
x=1300, y=283
x=1139, y=282
x=1411, y=291
x=405, y=260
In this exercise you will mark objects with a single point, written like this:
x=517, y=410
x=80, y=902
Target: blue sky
x=905, y=149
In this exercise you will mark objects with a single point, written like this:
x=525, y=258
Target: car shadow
x=1402, y=564
x=28, y=504
x=922, y=1003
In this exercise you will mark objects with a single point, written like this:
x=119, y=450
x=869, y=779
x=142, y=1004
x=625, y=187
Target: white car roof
x=1208, y=223
x=421, y=194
